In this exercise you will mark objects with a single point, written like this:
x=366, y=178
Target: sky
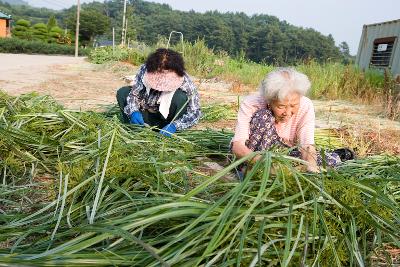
x=341, y=18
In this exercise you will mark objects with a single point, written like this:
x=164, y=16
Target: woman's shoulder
x=306, y=103
x=187, y=77
x=254, y=100
x=142, y=70
x=143, y=67
x=306, y=111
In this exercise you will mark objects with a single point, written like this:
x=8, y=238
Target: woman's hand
x=309, y=154
x=241, y=150
x=137, y=118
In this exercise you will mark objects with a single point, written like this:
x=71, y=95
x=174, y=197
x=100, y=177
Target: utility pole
x=126, y=30
x=113, y=39
x=78, y=10
x=123, y=25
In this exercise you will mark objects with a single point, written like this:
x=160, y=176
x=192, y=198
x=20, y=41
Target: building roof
x=104, y=43
x=4, y=16
x=385, y=22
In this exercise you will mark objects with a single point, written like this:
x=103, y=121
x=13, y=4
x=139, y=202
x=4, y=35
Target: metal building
x=380, y=47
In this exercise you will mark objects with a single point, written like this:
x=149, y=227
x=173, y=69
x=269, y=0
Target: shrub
x=39, y=32
x=22, y=30
x=15, y=45
x=105, y=54
x=55, y=34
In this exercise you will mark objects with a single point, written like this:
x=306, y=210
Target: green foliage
x=91, y=24
x=199, y=59
x=345, y=53
x=106, y=54
x=216, y=112
x=40, y=32
x=334, y=80
x=24, y=23
x=15, y=45
x=22, y=30
x=122, y=195
x=263, y=38
x=55, y=35
x=51, y=23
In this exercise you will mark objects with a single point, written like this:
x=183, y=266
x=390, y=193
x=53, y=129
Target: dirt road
x=18, y=71
x=72, y=81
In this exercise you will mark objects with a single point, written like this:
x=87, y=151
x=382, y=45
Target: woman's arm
x=248, y=106
x=309, y=154
x=305, y=136
x=240, y=149
x=133, y=100
x=193, y=112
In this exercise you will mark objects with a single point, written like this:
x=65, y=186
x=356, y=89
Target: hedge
x=17, y=46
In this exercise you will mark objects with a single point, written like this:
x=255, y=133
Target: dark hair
x=165, y=59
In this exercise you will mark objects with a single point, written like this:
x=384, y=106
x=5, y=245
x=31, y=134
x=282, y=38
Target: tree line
x=261, y=38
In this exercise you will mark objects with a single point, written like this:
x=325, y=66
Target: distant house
x=379, y=47
x=5, y=27
x=103, y=43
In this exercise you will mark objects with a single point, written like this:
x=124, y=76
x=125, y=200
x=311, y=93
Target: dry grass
x=387, y=256
x=371, y=142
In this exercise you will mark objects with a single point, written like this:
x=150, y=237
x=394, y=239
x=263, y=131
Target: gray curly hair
x=283, y=81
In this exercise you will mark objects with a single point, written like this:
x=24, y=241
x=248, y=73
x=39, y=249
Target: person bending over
x=281, y=115
x=161, y=95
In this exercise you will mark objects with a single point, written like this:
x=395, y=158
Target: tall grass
x=336, y=81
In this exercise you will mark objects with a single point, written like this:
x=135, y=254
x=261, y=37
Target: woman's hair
x=283, y=81
x=165, y=59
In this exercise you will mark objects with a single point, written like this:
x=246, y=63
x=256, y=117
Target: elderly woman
x=280, y=115
x=161, y=95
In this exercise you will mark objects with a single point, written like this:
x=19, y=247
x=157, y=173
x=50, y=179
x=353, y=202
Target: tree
x=344, y=49
x=55, y=35
x=39, y=32
x=91, y=23
x=22, y=30
x=345, y=53
x=51, y=23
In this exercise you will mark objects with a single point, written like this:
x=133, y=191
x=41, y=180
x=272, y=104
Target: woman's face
x=284, y=109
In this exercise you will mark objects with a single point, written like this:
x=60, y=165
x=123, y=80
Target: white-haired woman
x=281, y=115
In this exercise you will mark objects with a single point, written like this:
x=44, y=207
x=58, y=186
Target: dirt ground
x=78, y=84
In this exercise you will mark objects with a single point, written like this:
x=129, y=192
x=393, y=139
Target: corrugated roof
x=4, y=16
x=385, y=22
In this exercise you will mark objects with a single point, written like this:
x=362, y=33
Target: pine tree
x=51, y=23
x=22, y=30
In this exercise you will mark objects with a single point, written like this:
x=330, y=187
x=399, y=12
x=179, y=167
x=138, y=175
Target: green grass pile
x=80, y=189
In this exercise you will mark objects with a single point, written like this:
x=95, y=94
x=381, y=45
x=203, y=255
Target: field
x=79, y=188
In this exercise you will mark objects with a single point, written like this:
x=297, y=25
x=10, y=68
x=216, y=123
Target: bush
x=105, y=54
x=39, y=32
x=55, y=34
x=22, y=30
x=14, y=45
